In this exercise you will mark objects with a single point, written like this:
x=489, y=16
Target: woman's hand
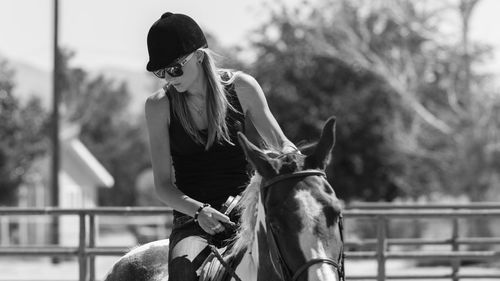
x=210, y=220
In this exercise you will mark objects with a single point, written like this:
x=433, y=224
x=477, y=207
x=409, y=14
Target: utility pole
x=55, y=127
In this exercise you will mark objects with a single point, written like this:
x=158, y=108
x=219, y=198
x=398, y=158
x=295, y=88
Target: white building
x=80, y=177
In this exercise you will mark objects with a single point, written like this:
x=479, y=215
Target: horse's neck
x=249, y=265
x=255, y=262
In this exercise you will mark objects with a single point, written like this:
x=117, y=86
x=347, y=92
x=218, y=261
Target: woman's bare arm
x=255, y=105
x=157, y=120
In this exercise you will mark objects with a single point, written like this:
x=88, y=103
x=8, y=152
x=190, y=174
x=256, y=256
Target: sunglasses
x=175, y=70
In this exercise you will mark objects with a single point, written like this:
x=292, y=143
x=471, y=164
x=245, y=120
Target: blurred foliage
x=23, y=130
x=302, y=99
x=117, y=139
x=414, y=117
x=98, y=105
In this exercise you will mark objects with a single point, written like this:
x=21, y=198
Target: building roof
x=79, y=161
x=86, y=162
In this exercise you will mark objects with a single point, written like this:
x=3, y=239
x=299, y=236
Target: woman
x=193, y=123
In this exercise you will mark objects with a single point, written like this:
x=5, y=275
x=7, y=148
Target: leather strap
x=308, y=264
x=299, y=174
x=226, y=266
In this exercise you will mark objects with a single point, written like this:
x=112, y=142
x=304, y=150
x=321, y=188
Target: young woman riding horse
x=193, y=124
x=291, y=225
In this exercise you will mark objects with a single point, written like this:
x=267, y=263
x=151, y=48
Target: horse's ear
x=264, y=165
x=319, y=158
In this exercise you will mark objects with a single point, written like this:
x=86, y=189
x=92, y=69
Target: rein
x=282, y=269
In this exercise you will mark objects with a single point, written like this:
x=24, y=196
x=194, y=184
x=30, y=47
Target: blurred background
x=414, y=85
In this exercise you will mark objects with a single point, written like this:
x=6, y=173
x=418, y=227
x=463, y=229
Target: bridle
x=282, y=268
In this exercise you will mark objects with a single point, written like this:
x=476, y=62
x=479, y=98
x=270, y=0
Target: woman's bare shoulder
x=244, y=81
x=157, y=104
x=249, y=91
x=157, y=97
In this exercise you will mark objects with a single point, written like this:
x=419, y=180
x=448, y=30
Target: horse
x=290, y=225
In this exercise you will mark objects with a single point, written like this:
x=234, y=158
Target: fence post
x=92, y=244
x=4, y=231
x=455, y=263
x=22, y=224
x=82, y=256
x=381, y=247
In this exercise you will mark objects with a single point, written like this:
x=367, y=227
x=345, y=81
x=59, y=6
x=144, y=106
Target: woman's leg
x=186, y=257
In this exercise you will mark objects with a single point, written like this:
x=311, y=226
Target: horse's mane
x=248, y=215
x=289, y=162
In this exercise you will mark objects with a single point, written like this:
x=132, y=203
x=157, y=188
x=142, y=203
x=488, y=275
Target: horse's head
x=303, y=214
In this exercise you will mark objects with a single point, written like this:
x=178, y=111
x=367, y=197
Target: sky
x=104, y=32
x=113, y=32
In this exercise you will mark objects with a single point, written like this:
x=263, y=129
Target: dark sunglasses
x=175, y=70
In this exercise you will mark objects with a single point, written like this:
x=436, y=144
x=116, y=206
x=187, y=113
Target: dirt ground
x=42, y=268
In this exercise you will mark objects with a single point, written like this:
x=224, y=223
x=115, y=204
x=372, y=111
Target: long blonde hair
x=216, y=104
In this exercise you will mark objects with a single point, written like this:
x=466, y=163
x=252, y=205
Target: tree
x=441, y=117
x=117, y=139
x=22, y=136
x=304, y=88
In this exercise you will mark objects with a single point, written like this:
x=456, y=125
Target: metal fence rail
x=86, y=251
x=382, y=213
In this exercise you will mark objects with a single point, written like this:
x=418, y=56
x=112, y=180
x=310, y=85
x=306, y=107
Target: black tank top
x=210, y=176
